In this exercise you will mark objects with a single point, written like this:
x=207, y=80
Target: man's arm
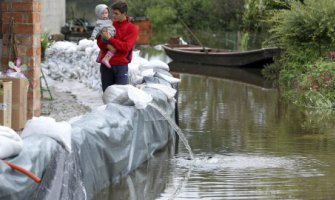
x=111, y=48
x=101, y=45
x=128, y=41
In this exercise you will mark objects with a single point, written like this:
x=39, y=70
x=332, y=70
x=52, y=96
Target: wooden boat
x=219, y=57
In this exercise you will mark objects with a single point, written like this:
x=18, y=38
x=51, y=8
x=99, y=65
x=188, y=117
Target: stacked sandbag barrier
x=68, y=60
x=107, y=143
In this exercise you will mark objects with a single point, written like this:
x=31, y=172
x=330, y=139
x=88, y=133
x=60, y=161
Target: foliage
x=318, y=118
x=45, y=42
x=310, y=84
x=245, y=41
x=226, y=15
x=318, y=84
x=272, y=71
x=306, y=26
x=168, y=16
x=306, y=33
x=256, y=14
x=165, y=21
x=256, y=11
x=137, y=8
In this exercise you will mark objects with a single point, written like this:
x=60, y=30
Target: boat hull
x=208, y=56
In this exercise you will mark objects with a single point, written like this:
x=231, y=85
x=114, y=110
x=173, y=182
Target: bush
x=305, y=26
x=306, y=33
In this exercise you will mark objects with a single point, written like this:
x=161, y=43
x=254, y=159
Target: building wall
x=0, y=49
x=27, y=34
x=0, y=34
x=52, y=15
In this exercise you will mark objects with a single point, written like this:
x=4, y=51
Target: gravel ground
x=63, y=107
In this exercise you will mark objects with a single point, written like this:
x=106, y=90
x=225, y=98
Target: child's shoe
x=106, y=59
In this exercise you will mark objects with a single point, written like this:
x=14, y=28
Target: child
x=103, y=22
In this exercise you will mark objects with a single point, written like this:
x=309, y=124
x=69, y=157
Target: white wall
x=52, y=15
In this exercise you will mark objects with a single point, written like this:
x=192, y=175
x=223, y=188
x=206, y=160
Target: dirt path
x=63, y=107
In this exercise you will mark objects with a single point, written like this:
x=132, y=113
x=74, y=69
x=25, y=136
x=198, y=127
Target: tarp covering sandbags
x=105, y=144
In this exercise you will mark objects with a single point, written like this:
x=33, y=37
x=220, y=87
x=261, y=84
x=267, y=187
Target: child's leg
x=99, y=58
x=106, y=59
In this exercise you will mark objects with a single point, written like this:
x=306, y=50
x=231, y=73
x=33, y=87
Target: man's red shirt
x=123, y=41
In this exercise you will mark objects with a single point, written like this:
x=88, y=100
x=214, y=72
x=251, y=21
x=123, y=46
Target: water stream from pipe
x=176, y=128
x=184, y=140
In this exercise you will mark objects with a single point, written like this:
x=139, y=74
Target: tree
x=257, y=11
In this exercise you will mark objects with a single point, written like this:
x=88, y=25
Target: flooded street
x=247, y=144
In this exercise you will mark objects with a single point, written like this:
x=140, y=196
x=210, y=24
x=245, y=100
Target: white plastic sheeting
x=127, y=95
x=10, y=142
x=59, y=131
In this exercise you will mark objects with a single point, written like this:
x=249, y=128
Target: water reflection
x=145, y=183
x=153, y=53
x=251, y=74
x=217, y=106
x=259, y=147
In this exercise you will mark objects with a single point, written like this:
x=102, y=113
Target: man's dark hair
x=121, y=6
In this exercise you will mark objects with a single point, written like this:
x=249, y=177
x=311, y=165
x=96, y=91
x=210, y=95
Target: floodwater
x=247, y=144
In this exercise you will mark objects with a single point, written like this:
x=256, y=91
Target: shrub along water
x=306, y=69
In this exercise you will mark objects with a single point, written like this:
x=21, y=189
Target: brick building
x=26, y=29
x=31, y=18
